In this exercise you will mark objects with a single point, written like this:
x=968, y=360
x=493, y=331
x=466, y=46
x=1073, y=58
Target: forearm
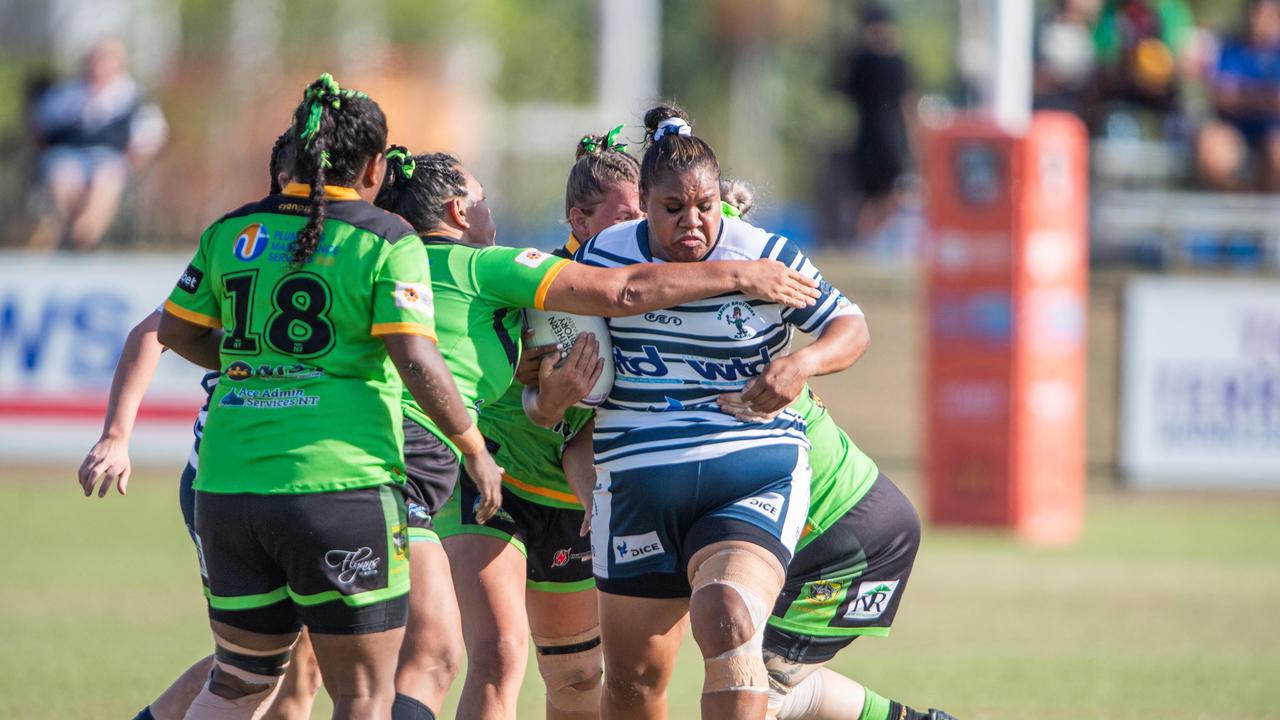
x=428, y=380
x=578, y=461
x=841, y=343
x=634, y=289
x=134, y=371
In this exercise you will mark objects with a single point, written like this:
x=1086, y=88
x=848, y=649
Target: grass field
x=1166, y=608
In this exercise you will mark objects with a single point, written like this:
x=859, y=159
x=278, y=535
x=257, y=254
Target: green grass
x=1166, y=608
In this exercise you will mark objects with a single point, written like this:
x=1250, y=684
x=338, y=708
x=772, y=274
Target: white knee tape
x=802, y=701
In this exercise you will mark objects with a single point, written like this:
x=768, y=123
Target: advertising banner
x=1201, y=383
x=63, y=321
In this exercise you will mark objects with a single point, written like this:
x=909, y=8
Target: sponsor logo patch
x=191, y=279
x=252, y=242
x=629, y=548
x=400, y=540
x=532, y=258
x=414, y=296
x=871, y=600
x=768, y=505
x=351, y=564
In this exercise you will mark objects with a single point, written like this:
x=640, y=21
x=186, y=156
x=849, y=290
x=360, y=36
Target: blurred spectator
x=878, y=81
x=92, y=130
x=1140, y=44
x=1065, y=57
x=1243, y=142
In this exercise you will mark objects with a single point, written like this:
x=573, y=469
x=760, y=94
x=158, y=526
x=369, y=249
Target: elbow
x=623, y=299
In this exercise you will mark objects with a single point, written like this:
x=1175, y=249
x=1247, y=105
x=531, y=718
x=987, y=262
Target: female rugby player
x=540, y=582
x=108, y=462
x=695, y=514
x=477, y=290
x=310, y=301
x=850, y=568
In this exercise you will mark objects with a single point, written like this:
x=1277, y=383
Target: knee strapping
x=257, y=672
x=571, y=668
x=798, y=702
x=740, y=668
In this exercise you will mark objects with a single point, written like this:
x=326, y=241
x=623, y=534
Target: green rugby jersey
x=478, y=293
x=309, y=400
x=531, y=454
x=842, y=473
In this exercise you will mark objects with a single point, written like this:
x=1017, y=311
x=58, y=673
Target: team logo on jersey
x=823, y=591
x=414, y=296
x=239, y=371
x=872, y=600
x=252, y=242
x=629, y=548
x=532, y=258
x=737, y=314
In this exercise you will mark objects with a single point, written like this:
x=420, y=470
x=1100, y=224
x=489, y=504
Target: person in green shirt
x=314, y=305
x=478, y=290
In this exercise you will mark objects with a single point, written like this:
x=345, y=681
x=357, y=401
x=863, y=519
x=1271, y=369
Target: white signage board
x=1201, y=383
x=63, y=322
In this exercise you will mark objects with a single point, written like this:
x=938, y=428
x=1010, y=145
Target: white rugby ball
x=563, y=329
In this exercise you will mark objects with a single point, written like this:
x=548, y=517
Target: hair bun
x=590, y=145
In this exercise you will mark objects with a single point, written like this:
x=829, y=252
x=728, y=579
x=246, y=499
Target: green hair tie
x=611, y=140
x=324, y=91
x=404, y=161
x=728, y=210
x=324, y=159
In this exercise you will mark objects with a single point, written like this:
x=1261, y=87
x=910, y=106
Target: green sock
x=875, y=707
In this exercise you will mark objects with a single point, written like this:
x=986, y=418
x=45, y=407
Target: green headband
x=403, y=160
x=611, y=143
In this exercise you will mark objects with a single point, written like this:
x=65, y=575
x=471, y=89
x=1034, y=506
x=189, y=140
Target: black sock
x=898, y=711
x=406, y=708
x=144, y=714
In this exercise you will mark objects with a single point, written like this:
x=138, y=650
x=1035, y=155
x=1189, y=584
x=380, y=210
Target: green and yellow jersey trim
x=331, y=192
x=191, y=316
x=540, y=297
x=401, y=328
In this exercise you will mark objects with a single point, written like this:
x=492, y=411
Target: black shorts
x=337, y=562
x=431, y=472
x=557, y=558
x=849, y=580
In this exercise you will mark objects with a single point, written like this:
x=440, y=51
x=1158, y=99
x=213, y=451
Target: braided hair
x=672, y=146
x=417, y=187
x=282, y=156
x=601, y=162
x=336, y=132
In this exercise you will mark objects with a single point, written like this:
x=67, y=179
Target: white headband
x=670, y=126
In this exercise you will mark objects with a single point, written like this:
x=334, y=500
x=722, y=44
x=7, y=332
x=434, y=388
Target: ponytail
x=337, y=133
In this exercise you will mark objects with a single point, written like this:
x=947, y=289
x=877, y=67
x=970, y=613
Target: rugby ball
x=563, y=329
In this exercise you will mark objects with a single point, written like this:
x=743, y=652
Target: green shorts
x=557, y=558
x=337, y=562
x=848, y=581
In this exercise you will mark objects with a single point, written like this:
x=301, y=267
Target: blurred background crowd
x=821, y=104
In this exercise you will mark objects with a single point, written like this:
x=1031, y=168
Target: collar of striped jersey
x=331, y=192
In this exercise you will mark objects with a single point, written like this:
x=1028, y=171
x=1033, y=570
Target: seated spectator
x=1241, y=147
x=92, y=129
x=1139, y=46
x=1065, y=56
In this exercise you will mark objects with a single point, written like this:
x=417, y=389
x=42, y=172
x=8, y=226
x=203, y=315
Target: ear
x=578, y=223
x=374, y=171
x=457, y=209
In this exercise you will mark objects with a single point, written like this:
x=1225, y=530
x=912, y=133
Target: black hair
x=600, y=162
x=417, y=187
x=336, y=133
x=672, y=152
x=282, y=156
x=739, y=194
